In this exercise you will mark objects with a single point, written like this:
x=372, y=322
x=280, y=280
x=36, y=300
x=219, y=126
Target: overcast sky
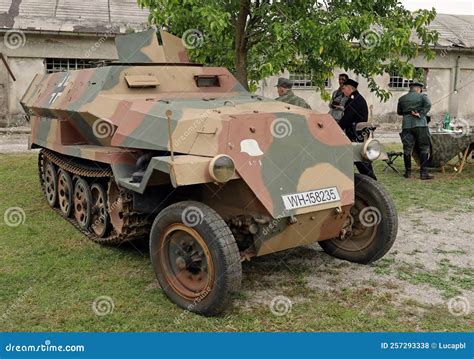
x=459, y=7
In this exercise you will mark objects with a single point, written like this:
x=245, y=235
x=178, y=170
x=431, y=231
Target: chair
x=390, y=161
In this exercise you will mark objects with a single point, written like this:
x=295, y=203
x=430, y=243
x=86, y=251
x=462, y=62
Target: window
x=59, y=65
x=303, y=80
x=399, y=82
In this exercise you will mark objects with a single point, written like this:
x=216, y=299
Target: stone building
x=449, y=78
x=43, y=36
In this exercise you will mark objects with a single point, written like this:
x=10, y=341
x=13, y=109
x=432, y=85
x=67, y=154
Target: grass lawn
x=51, y=274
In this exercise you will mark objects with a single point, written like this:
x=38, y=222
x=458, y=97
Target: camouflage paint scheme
x=446, y=146
x=69, y=108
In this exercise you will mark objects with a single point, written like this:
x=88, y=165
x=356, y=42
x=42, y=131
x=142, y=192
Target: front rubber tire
x=214, y=238
x=362, y=250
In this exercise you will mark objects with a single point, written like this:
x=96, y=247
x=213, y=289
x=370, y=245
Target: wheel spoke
x=100, y=218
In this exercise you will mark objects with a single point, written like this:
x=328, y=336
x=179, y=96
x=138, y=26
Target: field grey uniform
x=289, y=96
x=415, y=130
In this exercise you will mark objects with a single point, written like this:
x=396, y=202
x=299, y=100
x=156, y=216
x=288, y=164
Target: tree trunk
x=241, y=68
x=241, y=44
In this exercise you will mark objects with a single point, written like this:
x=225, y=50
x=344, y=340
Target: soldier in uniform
x=285, y=94
x=414, y=106
x=338, y=100
x=355, y=111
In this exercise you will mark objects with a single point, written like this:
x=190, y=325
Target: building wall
x=28, y=60
x=440, y=82
x=25, y=70
x=466, y=93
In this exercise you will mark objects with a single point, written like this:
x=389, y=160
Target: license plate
x=310, y=198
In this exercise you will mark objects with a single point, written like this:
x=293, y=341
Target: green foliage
x=370, y=37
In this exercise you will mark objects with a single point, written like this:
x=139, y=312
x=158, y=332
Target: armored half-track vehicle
x=156, y=146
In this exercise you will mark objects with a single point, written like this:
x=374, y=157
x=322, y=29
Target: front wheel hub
x=186, y=262
x=355, y=236
x=181, y=263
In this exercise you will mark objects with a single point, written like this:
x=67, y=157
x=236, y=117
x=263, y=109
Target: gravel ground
x=428, y=245
x=430, y=263
x=13, y=143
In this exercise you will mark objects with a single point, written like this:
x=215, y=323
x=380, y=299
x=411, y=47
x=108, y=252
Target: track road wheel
x=374, y=225
x=50, y=183
x=195, y=257
x=82, y=204
x=116, y=207
x=65, y=193
x=100, y=216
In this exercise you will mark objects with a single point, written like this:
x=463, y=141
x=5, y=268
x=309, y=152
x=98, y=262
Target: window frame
x=406, y=81
x=56, y=64
x=305, y=76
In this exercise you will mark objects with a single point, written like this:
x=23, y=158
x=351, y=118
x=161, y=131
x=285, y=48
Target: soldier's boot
x=424, y=175
x=407, y=160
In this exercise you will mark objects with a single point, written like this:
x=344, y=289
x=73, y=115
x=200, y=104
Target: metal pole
x=170, y=137
x=7, y=66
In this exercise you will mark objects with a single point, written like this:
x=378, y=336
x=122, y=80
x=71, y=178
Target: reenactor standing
x=285, y=94
x=355, y=111
x=414, y=107
x=338, y=100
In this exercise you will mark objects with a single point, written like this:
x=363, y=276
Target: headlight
x=372, y=150
x=222, y=168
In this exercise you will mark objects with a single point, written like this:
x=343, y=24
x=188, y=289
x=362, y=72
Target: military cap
x=285, y=83
x=416, y=83
x=351, y=82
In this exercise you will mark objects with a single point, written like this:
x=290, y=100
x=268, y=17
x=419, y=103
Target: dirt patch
x=430, y=262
